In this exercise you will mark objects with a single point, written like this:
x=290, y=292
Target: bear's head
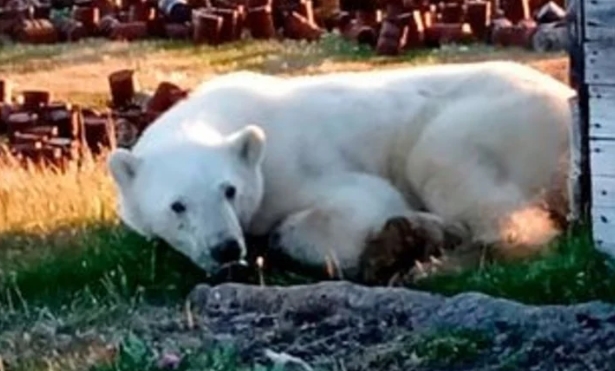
x=198, y=197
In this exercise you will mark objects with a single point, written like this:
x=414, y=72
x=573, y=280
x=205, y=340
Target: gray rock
x=343, y=326
x=342, y=321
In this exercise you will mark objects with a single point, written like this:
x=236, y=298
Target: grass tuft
x=135, y=354
x=572, y=271
x=451, y=347
x=434, y=348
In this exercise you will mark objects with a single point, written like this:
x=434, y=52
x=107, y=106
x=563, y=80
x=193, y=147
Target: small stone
x=27, y=337
x=43, y=330
x=169, y=361
x=588, y=321
x=63, y=341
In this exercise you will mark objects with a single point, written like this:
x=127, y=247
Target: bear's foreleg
x=416, y=245
x=327, y=236
x=360, y=228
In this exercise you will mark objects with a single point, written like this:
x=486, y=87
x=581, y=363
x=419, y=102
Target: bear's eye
x=230, y=192
x=178, y=207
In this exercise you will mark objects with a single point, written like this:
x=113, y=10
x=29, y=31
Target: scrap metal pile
x=47, y=132
x=204, y=21
x=399, y=25
x=389, y=26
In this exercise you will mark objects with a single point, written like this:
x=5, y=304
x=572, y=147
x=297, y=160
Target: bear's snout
x=227, y=251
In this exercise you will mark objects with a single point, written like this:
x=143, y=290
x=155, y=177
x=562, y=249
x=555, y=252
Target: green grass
x=17, y=57
x=451, y=346
x=432, y=348
x=276, y=56
x=572, y=271
x=135, y=354
x=435, y=348
x=101, y=261
x=104, y=260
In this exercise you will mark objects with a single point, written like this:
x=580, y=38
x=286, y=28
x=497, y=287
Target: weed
x=136, y=354
x=572, y=271
x=450, y=347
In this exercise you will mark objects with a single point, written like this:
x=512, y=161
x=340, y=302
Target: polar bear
x=320, y=163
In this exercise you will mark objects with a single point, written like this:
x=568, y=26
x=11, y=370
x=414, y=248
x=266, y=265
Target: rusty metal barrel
x=122, y=85
x=207, y=27
x=260, y=22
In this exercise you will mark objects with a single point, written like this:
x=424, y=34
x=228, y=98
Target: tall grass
x=42, y=199
x=60, y=237
x=60, y=234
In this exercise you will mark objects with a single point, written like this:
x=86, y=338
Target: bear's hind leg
x=501, y=216
x=490, y=165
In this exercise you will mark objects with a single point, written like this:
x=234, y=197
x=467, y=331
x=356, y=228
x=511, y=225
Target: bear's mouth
x=238, y=263
x=238, y=271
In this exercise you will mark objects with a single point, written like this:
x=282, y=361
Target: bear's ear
x=123, y=166
x=249, y=144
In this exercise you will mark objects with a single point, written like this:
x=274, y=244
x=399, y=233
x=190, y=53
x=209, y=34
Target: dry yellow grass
x=41, y=199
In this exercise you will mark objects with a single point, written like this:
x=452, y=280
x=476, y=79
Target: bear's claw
x=408, y=248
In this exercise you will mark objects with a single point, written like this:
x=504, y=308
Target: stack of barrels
x=393, y=26
x=132, y=111
x=203, y=21
x=40, y=130
x=389, y=26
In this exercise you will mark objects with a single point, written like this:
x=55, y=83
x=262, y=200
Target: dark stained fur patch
x=399, y=244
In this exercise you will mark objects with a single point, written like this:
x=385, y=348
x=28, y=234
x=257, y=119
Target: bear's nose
x=227, y=252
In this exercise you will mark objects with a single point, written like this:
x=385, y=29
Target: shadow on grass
x=99, y=260
x=109, y=261
x=95, y=262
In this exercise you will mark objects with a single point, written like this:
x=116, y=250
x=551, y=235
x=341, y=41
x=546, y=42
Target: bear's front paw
x=413, y=245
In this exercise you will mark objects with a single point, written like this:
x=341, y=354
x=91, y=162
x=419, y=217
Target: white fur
x=467, y=142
